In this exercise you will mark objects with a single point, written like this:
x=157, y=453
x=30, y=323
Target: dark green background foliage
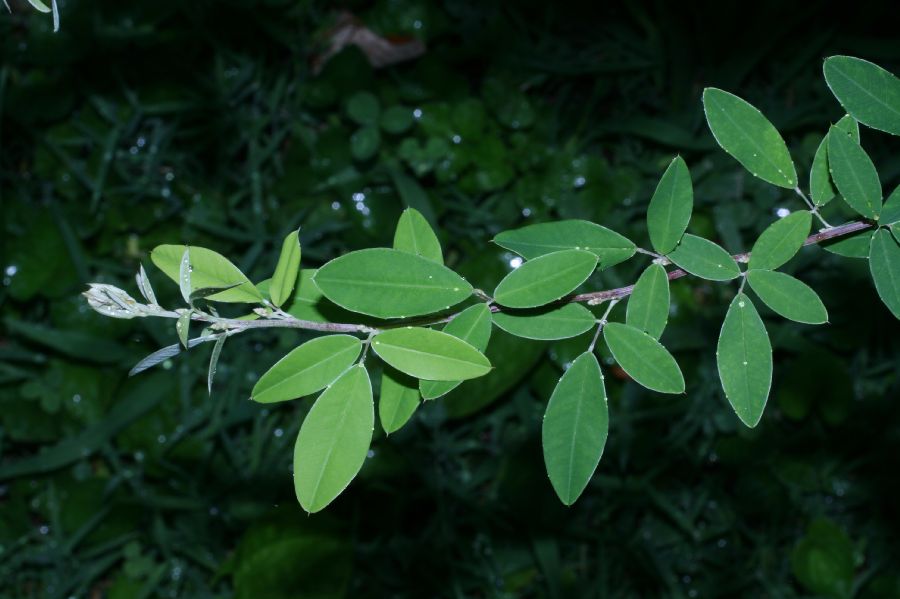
x=153, y=122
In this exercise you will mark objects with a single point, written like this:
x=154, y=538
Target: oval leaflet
x=389, y=283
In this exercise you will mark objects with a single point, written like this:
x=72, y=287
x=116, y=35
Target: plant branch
x=597, y=297
x=285, y=320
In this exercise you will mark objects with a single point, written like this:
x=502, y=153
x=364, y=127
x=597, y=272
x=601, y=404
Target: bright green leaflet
x=546, y=324
x=390, y=284
x=789, y=297
x=575, y=428
x=286, y=271
x=209, y=269
x=744, y=359
x=749, y=137
x=398, y=399
x=780, y=241
x=853, y=174
x=884, y=263
x=890, y=212
x=363, y=108
x=365, y=142
x=308, y=368
x=183, y=327
x=472, y=325
x=820, y=188
x=430, y=355
x=866, y=91
x=543, y=238
x=853, y=246
x=648, y=305
x=184, y=276
x=334, y=440
x=415, y=236
x=670, y=207
x=704, y=259
x=643, y=358
x=545, y=279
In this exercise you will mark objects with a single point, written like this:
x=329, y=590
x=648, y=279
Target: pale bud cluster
x=109, y=300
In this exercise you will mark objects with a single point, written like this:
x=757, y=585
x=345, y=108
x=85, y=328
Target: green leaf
x=334, y=440
x=364, y=143
x=749, y=137
x=363, y=108
x=398, y=399
x=412, y=195
x=307, y=368
x=415, y=236
x=165, y=353
x=852, y=246
x=884, y=263
x=208, y=269
x=543, y=238
x=643, y=358
x=214, y=361
x=545, y=279
x=146, y=289
x=472, y=325
x=744, y=359
x=866, y=91
x=824, y=561
x=854, y=174
x=546, y=324
x=281, y=556
x=183, y=327
x=781, y=241
x=670, y=207
x=208, y=291
x=820, y=187
x=40, y=6
x=184, y=275
x=575, y=428
x=430, y=355
x=704, y=259
x=850, y=126
x=390, y=284
x=286, y=270
x=648, y=306
x=397, y=119
x=890, y=212
x=787, y=296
